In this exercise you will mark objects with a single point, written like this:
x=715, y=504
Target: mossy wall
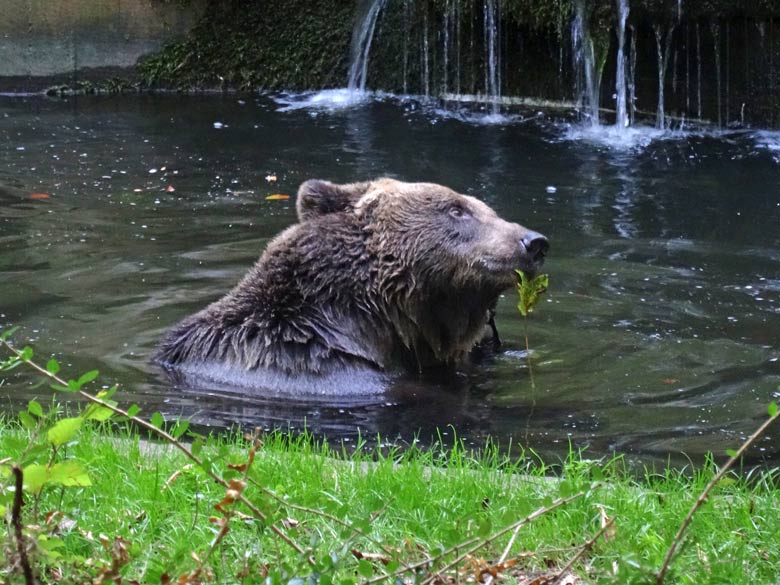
x=290, y=44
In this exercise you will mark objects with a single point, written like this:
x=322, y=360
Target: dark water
x=659, y=337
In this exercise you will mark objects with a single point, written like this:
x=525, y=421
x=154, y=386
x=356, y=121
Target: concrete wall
x=45, y=40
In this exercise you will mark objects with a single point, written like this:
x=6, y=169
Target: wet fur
x=366, y=281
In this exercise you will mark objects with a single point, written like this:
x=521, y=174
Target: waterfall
x=492, y=53
x=726, y=71
x=362, y=35
x=687, y=68
x=663, y=43
x=426, y=63
x=585, y=63
x=698, y=71
x=632, y=78
x=406, y=25
x=446, y=52
x=715, y=28
x=621, y=118
x=457, y=46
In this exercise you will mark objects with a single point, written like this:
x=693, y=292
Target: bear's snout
x=536, y=246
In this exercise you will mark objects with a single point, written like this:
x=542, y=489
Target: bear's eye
x=457, y=212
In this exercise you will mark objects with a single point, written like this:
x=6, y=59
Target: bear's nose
x=536, y=246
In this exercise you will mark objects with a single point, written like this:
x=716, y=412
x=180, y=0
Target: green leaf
x=484, y=527
x=133, y=410
x=197, y=446
x=772, y=409
x=27, y=353
x=52, y=366
x=8, y=333
x=34, y=408
x=64, y=430
x=731, y=453
x=35, y=477
x=365, y=568
x=157, y=420
x=88, y=377
x=69, y=473
x=98, y=412
x=529, y=290
x=28, y=422
x=10, y=364
x=180, y=428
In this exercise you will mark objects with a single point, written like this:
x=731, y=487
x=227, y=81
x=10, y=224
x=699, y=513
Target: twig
x=169, y=439
x=516, y=526
x=16, y=520
x=585, y=548
x=703, y=496
x=505, y=554
x=528, y=352
x=273, y=495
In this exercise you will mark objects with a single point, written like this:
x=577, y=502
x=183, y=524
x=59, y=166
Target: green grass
x=413, y=504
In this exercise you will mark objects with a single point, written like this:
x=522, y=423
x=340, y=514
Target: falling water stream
x=621, y=117
x=585, y=63
x=362, y=37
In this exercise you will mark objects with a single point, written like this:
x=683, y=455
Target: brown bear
x=377, y=278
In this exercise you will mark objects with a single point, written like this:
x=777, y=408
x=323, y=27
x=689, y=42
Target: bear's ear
x=317, y=198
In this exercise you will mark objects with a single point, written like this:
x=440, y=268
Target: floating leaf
x=277, y=197
x=529, y=290
x=40, y=196
x=64, y=430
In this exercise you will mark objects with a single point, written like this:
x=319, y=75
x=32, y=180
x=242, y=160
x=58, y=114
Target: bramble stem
x=705, y=493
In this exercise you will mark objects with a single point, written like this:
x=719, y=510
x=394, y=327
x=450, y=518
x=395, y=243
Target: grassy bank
x=149, y=515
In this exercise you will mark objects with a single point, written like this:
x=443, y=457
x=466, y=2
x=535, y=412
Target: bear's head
x=429, y=233
x=439, y=259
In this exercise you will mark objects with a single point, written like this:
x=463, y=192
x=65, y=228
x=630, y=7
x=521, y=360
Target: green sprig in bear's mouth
x=529, y=289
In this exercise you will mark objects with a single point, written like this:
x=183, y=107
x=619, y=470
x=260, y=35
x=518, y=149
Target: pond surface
x=659, y=336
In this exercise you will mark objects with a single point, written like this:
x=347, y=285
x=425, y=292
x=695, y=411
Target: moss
x=86, y=87
x=294, y=44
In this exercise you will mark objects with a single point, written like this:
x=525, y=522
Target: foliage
x=290, y=44
x=529, y=289
x=111, y=506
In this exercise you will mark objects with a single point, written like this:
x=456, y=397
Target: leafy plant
x=529, y=289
